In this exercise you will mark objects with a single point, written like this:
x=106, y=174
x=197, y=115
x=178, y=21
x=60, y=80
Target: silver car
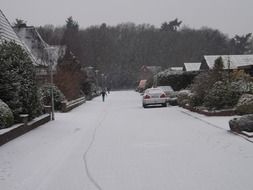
x=169, y=92
x=154, y=96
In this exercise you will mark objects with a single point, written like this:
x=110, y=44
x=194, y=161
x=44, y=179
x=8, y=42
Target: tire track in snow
x=218, y=127
x=91, y=178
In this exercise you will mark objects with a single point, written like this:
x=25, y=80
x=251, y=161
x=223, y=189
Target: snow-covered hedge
x=176, y=79
x=6, y=116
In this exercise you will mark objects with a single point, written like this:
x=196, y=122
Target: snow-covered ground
x=118, y=145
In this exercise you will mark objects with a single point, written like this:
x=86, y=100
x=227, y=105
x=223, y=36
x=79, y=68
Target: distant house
x=231, y=62
x=191, y=66
x=147, y=72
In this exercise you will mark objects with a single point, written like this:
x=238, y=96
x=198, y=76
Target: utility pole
x=52, y=88
x=50, y=62
x=229, y=68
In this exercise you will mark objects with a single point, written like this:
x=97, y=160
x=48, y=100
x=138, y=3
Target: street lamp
x=105, y=82
x=50, y=62
x=96, y=72
x=102, y=80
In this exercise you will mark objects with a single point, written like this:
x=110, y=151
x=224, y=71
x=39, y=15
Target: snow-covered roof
x=168, y=72
x=42, y=52
x=176, y=68
x=192, y=66
x=8, y=34
x=6, y=31
x=235, y=60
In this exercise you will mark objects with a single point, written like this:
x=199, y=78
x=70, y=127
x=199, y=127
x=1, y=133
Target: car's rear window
x=167, y=88
x=155, y=90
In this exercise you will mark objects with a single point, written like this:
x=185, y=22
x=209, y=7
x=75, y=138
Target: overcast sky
x=229, y=16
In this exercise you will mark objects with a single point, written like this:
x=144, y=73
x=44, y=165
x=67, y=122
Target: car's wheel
x=144, y=105
x=164, y=105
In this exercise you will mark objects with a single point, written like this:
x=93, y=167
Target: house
x=64, y=65
x=29, y=39
x=147, y=72
x=231, y=62
x=8, y=34
x=191, y=66
x=44, y=54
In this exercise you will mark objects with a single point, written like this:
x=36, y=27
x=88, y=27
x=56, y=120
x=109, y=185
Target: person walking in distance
x=103, y=93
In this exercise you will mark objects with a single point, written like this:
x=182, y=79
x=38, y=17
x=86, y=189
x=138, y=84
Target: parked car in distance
x=141, y=86
x=154, y=96
x=168, y=90
x=171, y=95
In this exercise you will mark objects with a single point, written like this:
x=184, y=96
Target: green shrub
x=204, y=82
x=6, y=116
x=183, y=97
x=194, y=100
x=245, y=104
x=46, y=96
x=243, y=86
x=18, y=87
x=222, y=95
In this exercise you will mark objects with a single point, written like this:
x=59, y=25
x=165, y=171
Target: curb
x=18, y=130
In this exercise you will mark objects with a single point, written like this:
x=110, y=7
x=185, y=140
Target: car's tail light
x=146, y=97
x=163, y=96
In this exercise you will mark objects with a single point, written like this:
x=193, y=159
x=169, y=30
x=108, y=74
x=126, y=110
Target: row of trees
x=121, y=50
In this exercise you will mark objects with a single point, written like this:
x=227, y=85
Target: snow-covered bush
x=245, y=104
x=243, y=86
x=222, y=95
x=18, y=87
x=202, y=84
x=6, y=116
x=218, y=88
x=244, y=123
x=183, y=97
x=46, y=96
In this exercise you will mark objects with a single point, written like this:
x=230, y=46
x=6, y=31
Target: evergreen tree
x=17, y=81
x=241, y=44
x=71, y=36
x=19, y=23
x=172, y=26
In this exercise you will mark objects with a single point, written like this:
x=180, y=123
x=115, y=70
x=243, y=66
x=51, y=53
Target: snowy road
x=118, y=145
